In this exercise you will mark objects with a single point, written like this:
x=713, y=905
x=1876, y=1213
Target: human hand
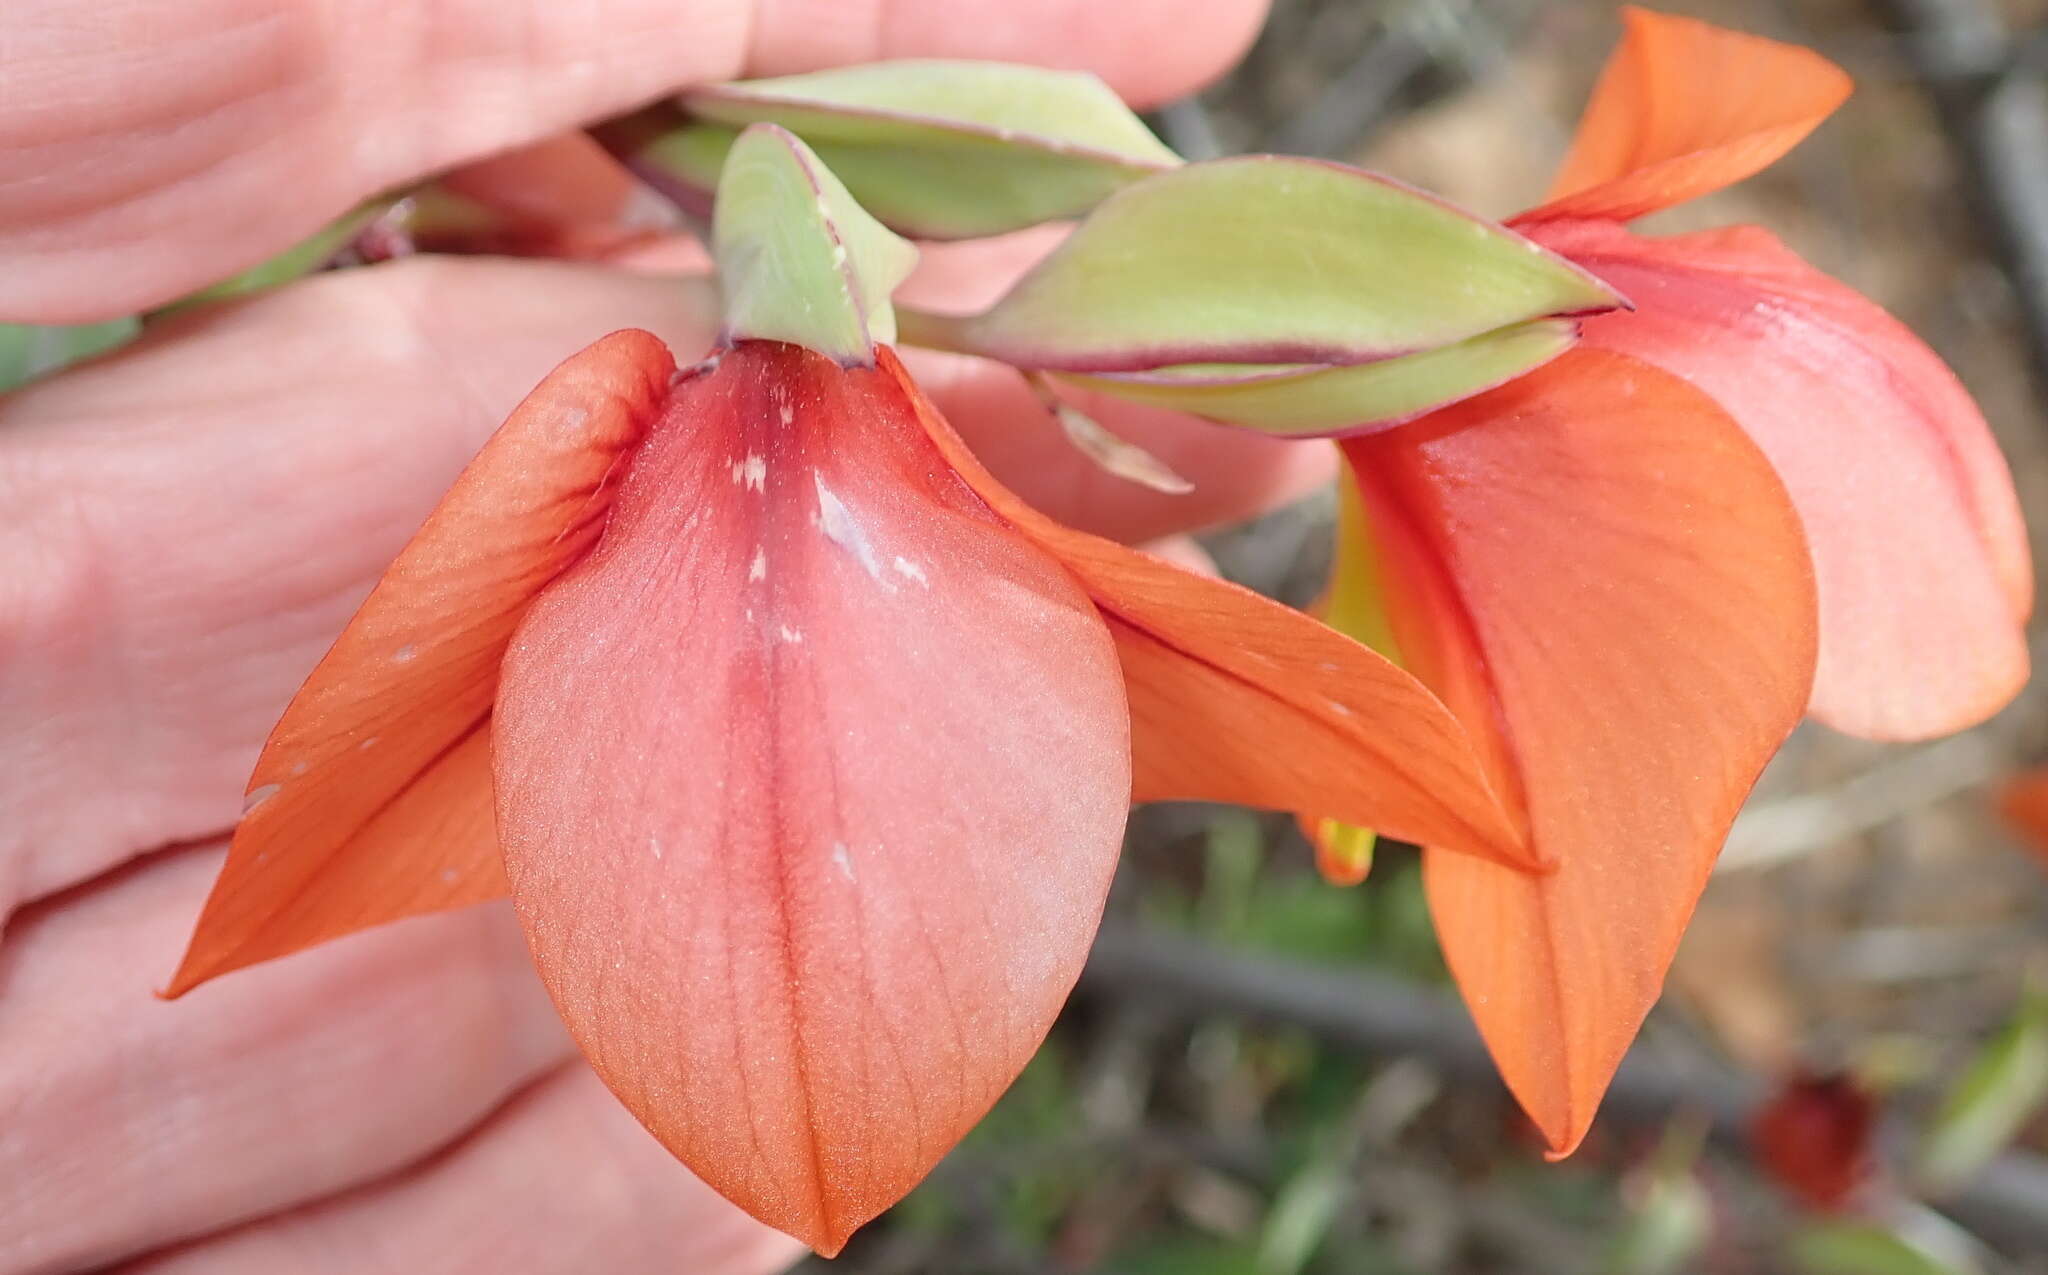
x=186, y=525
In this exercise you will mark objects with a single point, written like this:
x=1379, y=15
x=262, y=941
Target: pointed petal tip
x=1684, y=108
x=197, y=968
x=1562, y=1148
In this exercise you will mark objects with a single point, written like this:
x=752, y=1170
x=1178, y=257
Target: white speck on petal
x=1341, y=710
x=788, y=414
x=758, y=569
x=751, y=473
x=405, y=654
x=841, y=860
x=448, y=876
x=654, y=846
x=841, y=528
x=792, y=636
x=910, y=570
x=369, y=742
x=301, y=767
x=257, y=796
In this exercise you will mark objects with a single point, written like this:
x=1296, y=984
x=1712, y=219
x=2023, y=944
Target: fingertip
x=565, y=178
x=1150, y=51
x=1186, y=553
x=1236, y=473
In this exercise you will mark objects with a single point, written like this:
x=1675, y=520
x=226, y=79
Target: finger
x=1185, y=552
x=1236, y=473
x=562, y=1182
x=186, y=526
x=165, y=144
x=1150, y=51
x=564, y=179
x=130, y=1123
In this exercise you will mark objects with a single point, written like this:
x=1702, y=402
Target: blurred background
x=1266, y=1075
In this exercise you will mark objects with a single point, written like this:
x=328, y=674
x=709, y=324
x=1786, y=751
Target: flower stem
x=933, y=331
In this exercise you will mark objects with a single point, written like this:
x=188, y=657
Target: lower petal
x=811, y=782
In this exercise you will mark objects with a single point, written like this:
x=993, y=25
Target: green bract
x=1273, y=260
x=798, y=259
x=29, y=350
x=1316, y=399
x=935, y=149
x=301, y=259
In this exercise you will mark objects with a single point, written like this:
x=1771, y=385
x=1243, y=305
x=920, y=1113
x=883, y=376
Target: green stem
x=946, y=332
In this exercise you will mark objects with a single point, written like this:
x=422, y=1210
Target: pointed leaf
x=798, y=259
x=1306, y=401
x=811, y=781
x=2005, y=1087
x=372, y=799
x=1237, y=698
x=1683, y=109
x=941, y=149
x=1923, y=566
x=1301, y=261
x=1599, y=573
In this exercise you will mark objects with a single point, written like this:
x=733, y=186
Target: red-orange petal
x=2023, y=804
x=1817, y=1137
x=1596, y=566
x=372, y=799
x=811, y=780
x=1924, y=572
x=1239, y=699
x=1684, y=108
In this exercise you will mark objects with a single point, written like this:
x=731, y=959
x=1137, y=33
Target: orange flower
x=803, y=748
x=1622, y=571
x=2022, y=801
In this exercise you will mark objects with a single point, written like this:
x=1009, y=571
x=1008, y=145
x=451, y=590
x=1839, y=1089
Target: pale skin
x=184, y=527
